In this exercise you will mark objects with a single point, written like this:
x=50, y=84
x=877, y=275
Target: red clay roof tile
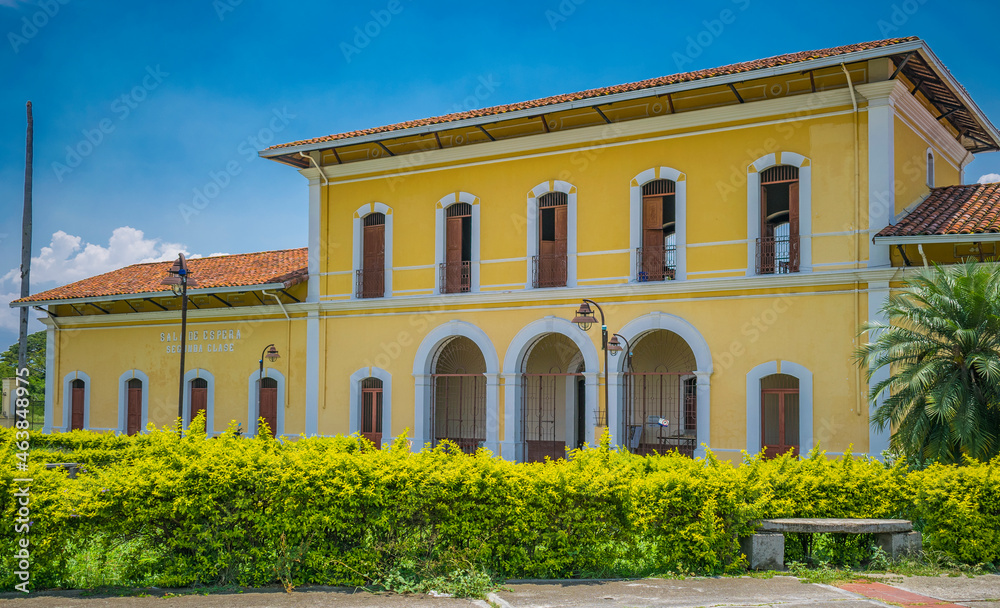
x=968, y=209
x=287, y=266
x=735, y=68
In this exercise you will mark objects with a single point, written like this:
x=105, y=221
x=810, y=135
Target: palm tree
x=942, y=346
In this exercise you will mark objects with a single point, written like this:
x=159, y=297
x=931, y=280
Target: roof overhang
x=925, y=239
x=151, y=294
x=591, y=102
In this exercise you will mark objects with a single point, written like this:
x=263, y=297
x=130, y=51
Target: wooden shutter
x=652, y=238
x=793, y=226
x=268, y=409
x=453, y=254
x=766, y=229
x=559, y=249
x=199, y=401
x=371, y=415
x=76, y=416
x=373, y=261
x=133, y=413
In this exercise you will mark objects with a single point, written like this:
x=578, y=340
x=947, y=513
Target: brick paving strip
x=892, y=595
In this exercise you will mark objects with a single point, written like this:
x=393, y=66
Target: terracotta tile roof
x=735, y=68
x=969, y=209
x=288, y=266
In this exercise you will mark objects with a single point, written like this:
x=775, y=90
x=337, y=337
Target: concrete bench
x=765, y=550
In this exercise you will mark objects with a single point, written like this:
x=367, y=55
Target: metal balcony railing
x=655, y=263
x=777, y=255
x=548, y=270
x=370, y=283
x=455, y=277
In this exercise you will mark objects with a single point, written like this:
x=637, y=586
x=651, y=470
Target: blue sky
x=139, y=107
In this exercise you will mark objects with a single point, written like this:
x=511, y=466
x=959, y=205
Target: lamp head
x=584, y=316
x=614, y=346
x=272, y=354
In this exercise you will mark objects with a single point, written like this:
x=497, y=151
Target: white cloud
x=67, y=258
x=989, y=178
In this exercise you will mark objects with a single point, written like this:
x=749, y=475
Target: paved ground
x=781, y=591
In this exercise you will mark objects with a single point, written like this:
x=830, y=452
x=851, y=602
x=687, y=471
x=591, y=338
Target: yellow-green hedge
x=336, y=511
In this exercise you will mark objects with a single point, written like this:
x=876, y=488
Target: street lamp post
x=178, y=279
x=585, y=319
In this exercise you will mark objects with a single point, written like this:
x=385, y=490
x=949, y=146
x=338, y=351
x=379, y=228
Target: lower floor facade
x=767, y=369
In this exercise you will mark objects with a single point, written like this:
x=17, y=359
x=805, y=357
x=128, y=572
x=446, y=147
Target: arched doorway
x=199, y=398
x=779, y=415
x=660, y=395
x=458, y=394
x=77, y=398
x=553, y=398
x=371, y=410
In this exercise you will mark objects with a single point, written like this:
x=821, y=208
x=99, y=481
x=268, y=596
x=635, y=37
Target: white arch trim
x=359, y=215
x=68, y=398
x=355, y=395
x=805, y=378
x=423, y=363
x=805, y=206
x=123, y=400
x=513, y=366
x=190, y=375
x=253, y=401
x=680, y=215
x=532, y=226
x=632, y=331
x=440, y=220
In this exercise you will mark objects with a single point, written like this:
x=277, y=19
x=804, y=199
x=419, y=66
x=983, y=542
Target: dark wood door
x=793, y=227
x=269, y=405
x=371, y=415
x=199, y=401
x=373, y=261
x=552, y=248
x=652, y=238
x=133, y=412
x=76, y=412
x=779, y=422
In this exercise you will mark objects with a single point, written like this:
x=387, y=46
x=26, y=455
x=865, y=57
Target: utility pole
x=22, y=350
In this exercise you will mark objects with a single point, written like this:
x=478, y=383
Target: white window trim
x=123, y=400
x=355, y=416
x=532, y=226
x=440, y=235
x=190, y=375
x=805, y=378
x=680, y=216
x=359, y=215
x=805, y=206
x=68, y=398
x=931, y=160
x=423, y=368
x=253, y=403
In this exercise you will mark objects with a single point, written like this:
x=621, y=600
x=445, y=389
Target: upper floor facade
x=752, y=174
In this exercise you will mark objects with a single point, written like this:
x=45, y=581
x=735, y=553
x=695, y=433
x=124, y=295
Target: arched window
x=778, y=244
x=371, y=410
x=657, y=258
x=371, y=275
x=267, y=404
x=133, y=407
x=930, y=168
x=550, y=263
x=78, y=388
x=779, y=415
x=456, y=270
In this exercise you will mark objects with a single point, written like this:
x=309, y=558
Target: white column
x=881, y=165
x=592, y=386
x=878, y=441
x=511, y=425
x=312, y=371
x=315, y=217
x=493, y=413
x=422, y=423
x=50, y=377
x=704, y=396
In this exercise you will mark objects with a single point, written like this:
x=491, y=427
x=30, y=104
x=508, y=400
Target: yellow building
x=723, y=221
